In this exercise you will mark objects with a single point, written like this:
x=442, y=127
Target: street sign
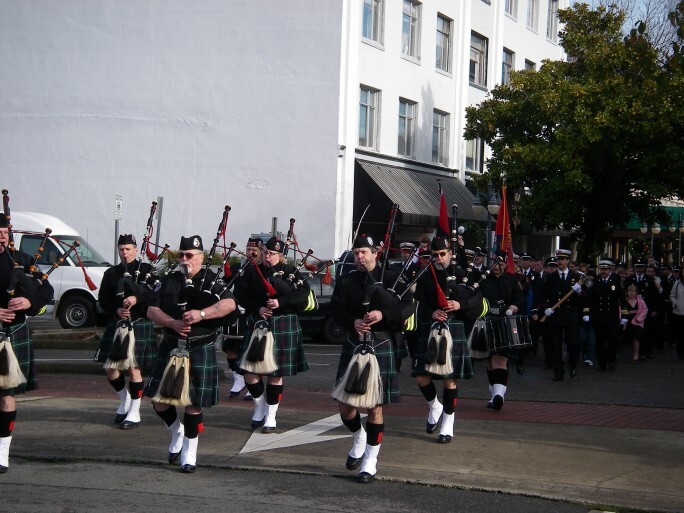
x=118, y=208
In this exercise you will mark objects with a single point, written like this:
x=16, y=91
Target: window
x=369, y=104
x=407, y=127
x=478, y=60
x=440, y=137
x=533, y=14
x=443, y=58
x=552, y=21
x=511, y=7
x=474, y=151
x=372, y=19
x=50, y=254
x=530, y=65
x=507, y=66
x=410, y=29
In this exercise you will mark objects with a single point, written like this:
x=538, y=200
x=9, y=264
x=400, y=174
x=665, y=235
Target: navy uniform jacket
x=553, y=291
x=604, y=300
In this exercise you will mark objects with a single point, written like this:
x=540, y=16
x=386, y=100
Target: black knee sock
x=450, y=398
x=429, y=391
x=500, y=376
x=375, y=432
x=353, y=424
x=119, y=383
x=256, y=389
x=169, y=415
x=274, y=393
x=135, y=388
x=7, y=419
x=193, y=425
x=490, y=376
x=233, y=364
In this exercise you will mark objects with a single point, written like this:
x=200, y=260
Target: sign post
x=118, y=216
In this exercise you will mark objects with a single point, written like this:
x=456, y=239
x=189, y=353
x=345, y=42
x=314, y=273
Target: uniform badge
x=612, y=287
x=277, y=246
x=370, y=241
x=196, y=242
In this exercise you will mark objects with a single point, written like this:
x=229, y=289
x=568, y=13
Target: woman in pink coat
x=635, y=314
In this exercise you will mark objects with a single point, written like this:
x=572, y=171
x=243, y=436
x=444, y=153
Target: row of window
x=372, y=29
x=369, y=126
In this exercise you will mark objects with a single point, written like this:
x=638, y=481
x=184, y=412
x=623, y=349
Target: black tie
x=563, y=276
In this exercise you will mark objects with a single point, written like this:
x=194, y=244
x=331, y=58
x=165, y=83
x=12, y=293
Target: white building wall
x=204, y=103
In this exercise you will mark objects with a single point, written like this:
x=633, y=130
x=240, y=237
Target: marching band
x=451, y=308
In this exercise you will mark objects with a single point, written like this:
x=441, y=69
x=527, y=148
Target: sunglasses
x=440, y=253
x=186, y=255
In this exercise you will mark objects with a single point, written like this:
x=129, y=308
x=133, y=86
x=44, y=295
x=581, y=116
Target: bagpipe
x=24, y=281
x=361, y=385
x=122, y=353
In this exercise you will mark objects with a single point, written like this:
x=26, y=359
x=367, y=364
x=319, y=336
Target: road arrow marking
x=307, y=434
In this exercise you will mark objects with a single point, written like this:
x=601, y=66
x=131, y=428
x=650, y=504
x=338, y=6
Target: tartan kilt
x=384, y=352
x=145, y=343
x=460, y=354
x=204, y=375
x=23, y=350
x=287, y=343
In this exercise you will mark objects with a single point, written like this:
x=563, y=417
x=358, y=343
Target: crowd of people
x=441, y=305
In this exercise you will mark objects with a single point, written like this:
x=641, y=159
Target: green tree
x=594, y=140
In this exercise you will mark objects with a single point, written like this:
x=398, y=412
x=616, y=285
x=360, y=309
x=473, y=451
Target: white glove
x=509, y=312
x=577, y=288
x=548, y=312
x=585, y=318
x=623, y=321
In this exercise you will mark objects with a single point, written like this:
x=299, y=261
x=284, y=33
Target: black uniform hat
x=563, y=253
x=550, y=261
x=665, y=267
x=640, y=263
x=126, y=238
x=439, y=243
x=407, y=246
x=192, y=242
x=605, y=263
x=478, y=251
x=254, y=242
x=676, y=269
x=275, y=244
x=364, y=241
x=526, y=256
x=3, y=221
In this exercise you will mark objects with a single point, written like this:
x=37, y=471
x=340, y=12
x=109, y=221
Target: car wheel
x=332, y=332
x=76, y=312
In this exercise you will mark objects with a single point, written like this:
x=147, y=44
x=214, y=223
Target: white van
x=74, y=304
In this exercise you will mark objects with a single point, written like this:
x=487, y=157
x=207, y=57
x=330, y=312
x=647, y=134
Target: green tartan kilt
x=384, y=353
x=204, y=375
x=460, y=354
x=23, y=349
x=287, y=342
x=145, y=343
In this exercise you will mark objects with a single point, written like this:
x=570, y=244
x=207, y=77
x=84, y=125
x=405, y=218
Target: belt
x=193, y=342
x=381, y=335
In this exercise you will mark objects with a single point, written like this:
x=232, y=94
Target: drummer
x=505, y=297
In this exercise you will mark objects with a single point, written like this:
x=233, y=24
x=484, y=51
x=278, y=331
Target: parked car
x=74, y=304
x=318, y=325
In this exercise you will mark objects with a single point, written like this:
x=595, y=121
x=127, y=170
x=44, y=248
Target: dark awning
x=416, y=193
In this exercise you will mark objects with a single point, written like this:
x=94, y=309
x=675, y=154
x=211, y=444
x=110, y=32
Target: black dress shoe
x=573, y=372
x=520, y=369
x=174, y=457
x=188, y=469
x=365, y=477
x=430, y=428
x=558, y=377
x=497, y=403
x=119, y=418
x=3, y=469
x=611, y=366
x=490, y=405
x=443, y=439
x=267, y=430
x=353, y=463
x=127, y=424
x=256, y=424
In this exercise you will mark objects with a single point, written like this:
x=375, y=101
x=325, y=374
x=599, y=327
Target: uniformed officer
x=563, y=320
x=605, y=300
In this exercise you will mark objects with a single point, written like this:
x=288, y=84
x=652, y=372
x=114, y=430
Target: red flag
x=443, y=223
x=503, y=232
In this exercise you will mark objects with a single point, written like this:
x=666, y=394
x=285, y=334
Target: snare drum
x=508, y=333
